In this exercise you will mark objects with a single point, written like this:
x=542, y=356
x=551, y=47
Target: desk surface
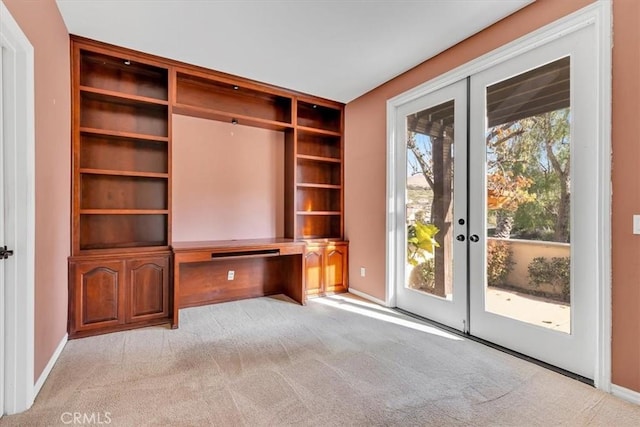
x=234, y=244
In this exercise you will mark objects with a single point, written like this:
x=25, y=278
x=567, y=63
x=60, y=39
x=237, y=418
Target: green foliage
x=538, y=149
x=499, y=262
x=421, y=242
x=556, y=272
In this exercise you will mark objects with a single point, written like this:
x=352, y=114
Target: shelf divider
x=129, y=98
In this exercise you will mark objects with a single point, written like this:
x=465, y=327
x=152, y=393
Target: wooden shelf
x=121, y=151
x=318, y=158
x=123, y=192
x=132, y=76
x=318, y=131
x=123, y=115
x=124, y=248
x=319, y=213
x=315, y=172
x=326, y=225
x=122, y=228
x=319, y=237
x=124, y=173
x=124, y=211
x=313, y=185
x=315, y=117
x=121, y=134
x=126, y=155
x=225, y=100
x=223, y=116
x=121, y=97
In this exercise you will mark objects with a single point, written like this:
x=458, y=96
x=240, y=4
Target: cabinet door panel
x=335, y=269
x=148, y=288
x=98, y=295
x=313, y=270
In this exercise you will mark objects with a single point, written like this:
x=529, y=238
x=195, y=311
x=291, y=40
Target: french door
x=497, y=226
x=432, y=214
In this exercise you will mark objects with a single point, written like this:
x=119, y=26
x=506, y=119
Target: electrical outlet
x=231, y=275
x=363, y=272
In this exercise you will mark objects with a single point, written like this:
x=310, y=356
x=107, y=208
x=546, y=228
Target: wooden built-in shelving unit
x=318, y=172
x=123, y=102
x=119, y=269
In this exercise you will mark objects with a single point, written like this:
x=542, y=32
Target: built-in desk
x=224, y=270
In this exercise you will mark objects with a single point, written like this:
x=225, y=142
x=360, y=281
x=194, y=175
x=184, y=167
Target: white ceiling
x=329, y=48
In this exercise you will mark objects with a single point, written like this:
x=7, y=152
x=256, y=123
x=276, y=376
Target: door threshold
x=506, y=350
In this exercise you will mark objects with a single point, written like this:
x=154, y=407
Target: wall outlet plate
x=363, y=271
x=231, y=275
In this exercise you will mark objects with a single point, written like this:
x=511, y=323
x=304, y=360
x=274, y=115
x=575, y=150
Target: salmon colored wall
x=626, y=194
x=42, y=24
x=228, y=181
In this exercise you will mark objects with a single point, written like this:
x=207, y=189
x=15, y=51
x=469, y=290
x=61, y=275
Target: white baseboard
x=368, y=297
x=47, y=369
x=626, y=394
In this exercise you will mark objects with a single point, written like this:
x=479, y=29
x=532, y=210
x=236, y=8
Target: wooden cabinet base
x=325, y=268
x=117, y=292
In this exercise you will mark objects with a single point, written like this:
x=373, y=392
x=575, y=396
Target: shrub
x=499, y=262
x=423, y=276
x=556, y=272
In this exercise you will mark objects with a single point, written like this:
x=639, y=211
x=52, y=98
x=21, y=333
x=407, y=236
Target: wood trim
x=172, y=98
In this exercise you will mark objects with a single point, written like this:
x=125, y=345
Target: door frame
x=19, y=296
x=598, y=15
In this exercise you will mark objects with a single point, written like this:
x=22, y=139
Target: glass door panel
x=429, y=203
x=527, y=176
x=432, y=132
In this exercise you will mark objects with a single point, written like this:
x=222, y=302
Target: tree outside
x=528, y=188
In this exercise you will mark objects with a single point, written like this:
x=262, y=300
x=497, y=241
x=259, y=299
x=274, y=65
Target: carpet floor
x=339, y=361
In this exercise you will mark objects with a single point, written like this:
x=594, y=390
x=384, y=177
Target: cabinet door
x=313, y=270
x=148, y=296
x=97, y=290
x=335, y=268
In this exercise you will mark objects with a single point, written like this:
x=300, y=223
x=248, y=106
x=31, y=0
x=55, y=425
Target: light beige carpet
x=335, y=362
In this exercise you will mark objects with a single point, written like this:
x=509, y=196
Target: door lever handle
x=5, y=253
x=474, y=238
x=460, y=237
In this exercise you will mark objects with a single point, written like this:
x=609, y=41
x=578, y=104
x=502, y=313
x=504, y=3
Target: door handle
x=474, y=238
x=460, y=237
x=5, y=253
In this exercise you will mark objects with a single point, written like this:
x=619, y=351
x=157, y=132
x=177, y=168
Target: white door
x=2, y=285
x=532, y=204
x=431, y=255
x=17, y=213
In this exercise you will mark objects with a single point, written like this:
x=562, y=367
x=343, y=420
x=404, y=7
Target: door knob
x=460, y=237
x=474, y=238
